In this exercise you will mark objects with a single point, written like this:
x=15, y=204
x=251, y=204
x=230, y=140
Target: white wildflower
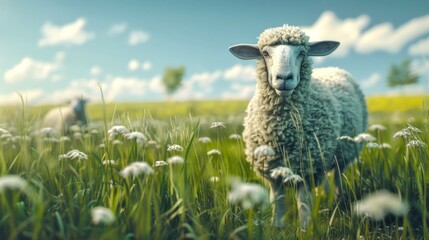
x=64, y=139
x=6, y=136
x=117, y=130
x=77, y=135
x=404, y=133
x=247, y=195
x=235, y=136
x=218, y=125
x=12, y=182
x=160, y=163
x=204, y=140
x=376, y=127
x=264, y=150
x=175, y=160
x=51, y=139
x=94, y=131
x=75, y=128
x=3, y=131
x=287, y=175
x=136, y=168
x=154, y=144
x=411, y=128
x=364, y=137
x=175, y=147
x=74, y=155
x=47, y=131
x=117, y=142
x=213, y=152
x=102, y=145
x=416, y=144
x=102, y=215
x=109, y=162
x=372, y=145
x=378, y=204
x=385, y=145
x=345, y=138
x=139, y=137
x=214, y=179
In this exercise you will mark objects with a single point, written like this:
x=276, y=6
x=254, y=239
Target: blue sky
x=53, y=50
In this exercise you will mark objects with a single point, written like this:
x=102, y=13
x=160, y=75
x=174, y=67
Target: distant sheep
x=62, y=118
x=296, y=115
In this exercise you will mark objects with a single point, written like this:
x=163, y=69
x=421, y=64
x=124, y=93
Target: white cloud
x=116, y=29
x=205, y=78
x=137, y=37
x=240, y=91
x=156, y=85
x=29, y=96
x=126, y=86
x=240, y=72
x=371, y=81
x=384, y=37
x=420, y=48
x=146, y=66
x=30, y=69
x=421, y=67
x=68, y=34
x=133, y=65
x=95, y=71
x=346, y=31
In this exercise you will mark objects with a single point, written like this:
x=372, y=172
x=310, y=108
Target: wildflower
x=64, y=139
x=12, y=182
x=74, y=155
x=175, y=160
x=364, y=137
x=287, y=175
x=235, y=136
x=385, y=145
x=204, y=140
x=94, y=131
x=372, y=145
x=109, y=162
x=102, y=215
x=3, y=131
x=117, y=142
x=218, y=125
x=378, y=204
x=139, y=137
x=264, y=150
x=416, y=144
x=117, y=130
x=412, y=129
x=160, y=163
x=51, y=139
x=214, y=179
x=247, y=194
x=102, y=145
x=175, y=147
x=136, y=168
x=6, y=136
x=404, y=133
x=47, y=131
x=213, y=152
x=376, y=127
x=75, y=128
x=345, y=138
x=77, y=135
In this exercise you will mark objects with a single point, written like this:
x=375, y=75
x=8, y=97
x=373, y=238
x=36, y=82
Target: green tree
x=172, y=78
x=401, y=74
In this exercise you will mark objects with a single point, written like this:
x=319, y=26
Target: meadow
x=171, y=170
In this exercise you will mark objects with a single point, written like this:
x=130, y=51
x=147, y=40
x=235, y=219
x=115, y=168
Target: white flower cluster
x=102, y=215
x=117, y=130
x=175, y=147
x=247, y=195
x=74, y=155
x=135, y=169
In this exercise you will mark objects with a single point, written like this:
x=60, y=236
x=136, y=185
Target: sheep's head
x=283, y=50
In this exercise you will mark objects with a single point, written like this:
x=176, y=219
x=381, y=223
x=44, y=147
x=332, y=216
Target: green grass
x=180, y=201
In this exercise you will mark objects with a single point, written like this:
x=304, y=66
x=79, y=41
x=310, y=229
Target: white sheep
x=62, y=118
x=296, y=115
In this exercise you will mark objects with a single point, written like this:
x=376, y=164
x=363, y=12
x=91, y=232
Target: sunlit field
x=177, y=171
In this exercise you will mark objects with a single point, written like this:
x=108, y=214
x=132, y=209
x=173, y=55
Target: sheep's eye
x=301, y=54
x=265, y=54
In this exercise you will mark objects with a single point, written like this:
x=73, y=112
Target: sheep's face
x=283, y=64
x=283, y=61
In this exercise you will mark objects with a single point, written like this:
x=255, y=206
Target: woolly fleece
x=303, y=130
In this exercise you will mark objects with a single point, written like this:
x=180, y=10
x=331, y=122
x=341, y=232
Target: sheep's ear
x=322, y=48
x=245, y=51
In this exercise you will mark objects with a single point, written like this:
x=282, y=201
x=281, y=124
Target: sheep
x=297, y=114
x=62, y=118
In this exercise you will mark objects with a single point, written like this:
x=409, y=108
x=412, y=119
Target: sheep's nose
x=285, y=78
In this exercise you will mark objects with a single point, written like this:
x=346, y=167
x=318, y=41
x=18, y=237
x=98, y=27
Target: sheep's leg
x=305, y=202
x=277, y=196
